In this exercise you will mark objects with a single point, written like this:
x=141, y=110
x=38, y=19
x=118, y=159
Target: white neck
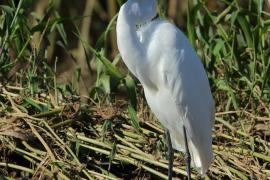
x=128, y=43
x=131, y=49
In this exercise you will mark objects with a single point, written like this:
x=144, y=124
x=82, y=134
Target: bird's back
x=182, y=94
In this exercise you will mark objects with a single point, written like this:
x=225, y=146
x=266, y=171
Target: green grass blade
x=245, y=27
x=131, y=89
x=134, y=119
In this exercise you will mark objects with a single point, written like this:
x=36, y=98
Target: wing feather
x=186, y=79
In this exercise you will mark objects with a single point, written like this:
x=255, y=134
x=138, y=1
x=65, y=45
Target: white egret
x=175, y=84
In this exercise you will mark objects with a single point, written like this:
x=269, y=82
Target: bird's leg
x=187, y=154
x=169, y=154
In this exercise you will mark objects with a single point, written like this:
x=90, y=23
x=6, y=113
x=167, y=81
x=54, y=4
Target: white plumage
x=174, y=81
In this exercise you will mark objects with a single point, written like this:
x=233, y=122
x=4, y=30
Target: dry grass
x=74, y=140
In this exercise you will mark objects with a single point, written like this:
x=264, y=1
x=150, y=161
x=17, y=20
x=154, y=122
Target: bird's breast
x=163, y=106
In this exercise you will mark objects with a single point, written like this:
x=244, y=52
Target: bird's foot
x=187, y=155
x=169, y=155
x=188, y=161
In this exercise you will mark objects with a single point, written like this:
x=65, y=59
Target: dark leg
x=170, y=154
x=187, y=154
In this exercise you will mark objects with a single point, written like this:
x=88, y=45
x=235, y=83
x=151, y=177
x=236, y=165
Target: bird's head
x=142, y=11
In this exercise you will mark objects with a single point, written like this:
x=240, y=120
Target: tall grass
x=52, y=130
